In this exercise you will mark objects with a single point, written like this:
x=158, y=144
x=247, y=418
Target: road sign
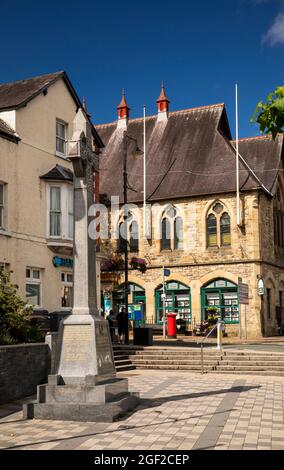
x=167, y=272
x=243, y=291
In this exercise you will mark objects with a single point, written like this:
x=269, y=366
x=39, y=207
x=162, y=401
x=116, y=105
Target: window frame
x=69, y=284
x=219, y=226
x=62, y=139
x=33, y=281
x=171, y=244
x=65, y=190
x=3, y=207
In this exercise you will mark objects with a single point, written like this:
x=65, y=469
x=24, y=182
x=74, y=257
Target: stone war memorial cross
x=85, y=386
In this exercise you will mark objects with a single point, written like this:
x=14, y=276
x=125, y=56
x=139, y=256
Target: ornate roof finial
x=163, y=101
x=84, y=104
x=123, y=108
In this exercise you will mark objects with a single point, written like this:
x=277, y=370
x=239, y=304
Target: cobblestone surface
x=178, y=411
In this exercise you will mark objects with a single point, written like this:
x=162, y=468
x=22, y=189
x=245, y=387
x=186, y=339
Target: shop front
x=220, y=298
x=177, y=300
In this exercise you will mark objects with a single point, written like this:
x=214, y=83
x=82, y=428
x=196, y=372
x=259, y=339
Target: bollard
x=219, y=335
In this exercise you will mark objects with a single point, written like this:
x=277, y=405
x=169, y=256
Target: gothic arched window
x=218, y=226
x=134, y=236
x=171, y=230
x=225, y=227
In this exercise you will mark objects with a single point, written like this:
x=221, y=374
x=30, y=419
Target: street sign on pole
x=243, y=291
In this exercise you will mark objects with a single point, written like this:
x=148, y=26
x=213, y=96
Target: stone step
x=181, y=362
x=122, y=362
x=172, y=367
x=251, y=363
x=124, y=368
x=244, y=361
x=212, y=370
x=120, y=357
x=247, y=367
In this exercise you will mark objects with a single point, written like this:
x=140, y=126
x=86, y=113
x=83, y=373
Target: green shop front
x=220, y=297
x=177, y=300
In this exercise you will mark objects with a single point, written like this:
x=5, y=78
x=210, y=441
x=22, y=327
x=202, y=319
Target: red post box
x=172, y=327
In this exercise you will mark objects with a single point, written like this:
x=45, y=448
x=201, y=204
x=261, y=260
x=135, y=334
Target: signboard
x=63, y=262
x=135, y=312
x=260, y=287
x=167, y=272
x=243, y=291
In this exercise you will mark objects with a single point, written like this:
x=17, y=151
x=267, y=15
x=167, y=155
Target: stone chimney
x=163, y=105
x=123, y=112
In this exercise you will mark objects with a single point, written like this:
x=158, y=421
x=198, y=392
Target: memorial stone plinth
x=85, y=386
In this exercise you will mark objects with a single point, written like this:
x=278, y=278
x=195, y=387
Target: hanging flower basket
x=113, y=264
x=139, y=264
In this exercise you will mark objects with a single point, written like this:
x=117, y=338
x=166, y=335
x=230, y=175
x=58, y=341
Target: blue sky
x=199, y=48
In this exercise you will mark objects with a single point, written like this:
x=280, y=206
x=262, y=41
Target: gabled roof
x=58, y=173
x=190, y=154
x=17, y=94
x=7, y=132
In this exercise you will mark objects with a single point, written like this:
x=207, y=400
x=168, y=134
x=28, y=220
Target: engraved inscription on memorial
x=104, y=355
x=75, y=341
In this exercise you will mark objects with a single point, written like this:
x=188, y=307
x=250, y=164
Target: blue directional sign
x=167, y=272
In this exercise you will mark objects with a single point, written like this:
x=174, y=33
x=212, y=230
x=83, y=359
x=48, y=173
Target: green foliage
x=15, y=322
x=270, y=115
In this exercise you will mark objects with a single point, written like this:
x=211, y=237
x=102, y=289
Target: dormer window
x=61, y=135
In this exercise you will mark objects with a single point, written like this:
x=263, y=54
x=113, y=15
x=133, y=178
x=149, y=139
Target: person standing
x=122, y=319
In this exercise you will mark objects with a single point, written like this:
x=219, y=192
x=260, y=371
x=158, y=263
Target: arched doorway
x=221, y=296
x=178, y=300
x=136, y=296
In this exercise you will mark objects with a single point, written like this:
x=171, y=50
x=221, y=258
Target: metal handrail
x=201, y=347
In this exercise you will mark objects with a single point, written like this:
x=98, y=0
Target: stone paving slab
x=178, y=411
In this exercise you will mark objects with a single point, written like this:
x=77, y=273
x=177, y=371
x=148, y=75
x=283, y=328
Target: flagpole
x=164, y=305
x=144, y=173
x=237, y=158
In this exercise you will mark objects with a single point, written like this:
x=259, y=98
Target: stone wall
x=22, y=368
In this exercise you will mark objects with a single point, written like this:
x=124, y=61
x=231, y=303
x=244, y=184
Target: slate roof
x=7, y=132
x=14, y=95
x=191, y=154
x=58, y=173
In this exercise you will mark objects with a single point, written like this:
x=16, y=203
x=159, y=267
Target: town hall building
x=191, y=189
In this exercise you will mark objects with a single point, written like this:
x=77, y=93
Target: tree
x=15, y=321
x=270, y=115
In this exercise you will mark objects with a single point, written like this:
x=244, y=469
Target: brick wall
x=22, y=368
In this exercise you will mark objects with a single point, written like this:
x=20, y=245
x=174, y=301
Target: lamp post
x=137, y=152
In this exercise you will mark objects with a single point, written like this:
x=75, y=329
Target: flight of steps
x=121, y=359
x=232, y=362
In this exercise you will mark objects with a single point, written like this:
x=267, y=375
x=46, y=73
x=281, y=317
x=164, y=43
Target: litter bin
x=181, y=326
x=143, y=336
x=172, y=327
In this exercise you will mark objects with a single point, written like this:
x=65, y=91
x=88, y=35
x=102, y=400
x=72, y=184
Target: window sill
x=5, y=233
x=60, y=245
x=61, y=155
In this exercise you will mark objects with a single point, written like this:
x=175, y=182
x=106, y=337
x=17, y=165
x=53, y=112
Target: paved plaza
x=178, y=411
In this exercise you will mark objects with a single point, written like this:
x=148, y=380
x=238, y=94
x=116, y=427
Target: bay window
x=60, y=211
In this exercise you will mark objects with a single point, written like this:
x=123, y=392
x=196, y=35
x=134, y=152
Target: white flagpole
x=144, y=174
x=237, y=158
x=164, y=304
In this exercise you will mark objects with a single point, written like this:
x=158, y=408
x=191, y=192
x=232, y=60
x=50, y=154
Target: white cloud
x=275, y=34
